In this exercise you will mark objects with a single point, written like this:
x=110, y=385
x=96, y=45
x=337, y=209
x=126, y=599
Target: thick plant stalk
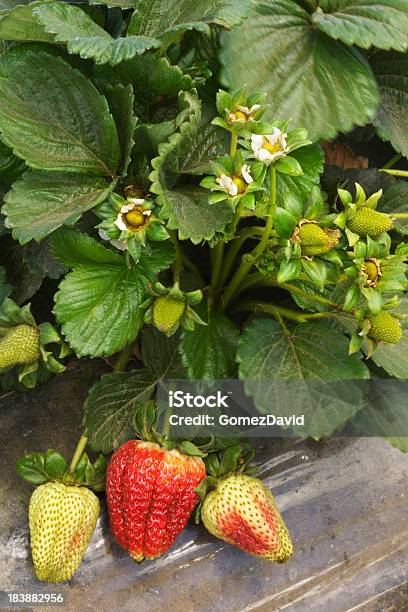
x=249, y=261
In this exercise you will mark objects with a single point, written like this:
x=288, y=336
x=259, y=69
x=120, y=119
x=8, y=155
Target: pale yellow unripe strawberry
x=368, y=222
x=316, y=240
x=243, y=512
x=62, y=520
x=167, y=312
x=20, y=345
x=385, y=328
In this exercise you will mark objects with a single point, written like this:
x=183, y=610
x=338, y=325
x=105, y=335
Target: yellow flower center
x=135, y=219
x=240, y=183
x=272, y=148
x=372, y=270
x=241, y=115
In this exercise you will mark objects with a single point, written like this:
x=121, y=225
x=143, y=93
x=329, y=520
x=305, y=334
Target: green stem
x=249, y=260
x=399, y=215
x=403, y=173
x=217, y=254
x=178, y=257
x=233, y=250
x=78, y=454
x=233, y=144
x=124, y=357
x=392, y=161
x=235, y=218
x=279, y=311
x=258, y=279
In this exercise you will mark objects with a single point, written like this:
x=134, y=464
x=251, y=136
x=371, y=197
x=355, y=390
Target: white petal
x=256, y=142
x=120, y=223
x=245, y=171
x=127, y=208
x=227, y=184
x=265, y=156
x=283, y=142
x=254, y=108
x=136, y=201
x=244, y=109
x=274, y=138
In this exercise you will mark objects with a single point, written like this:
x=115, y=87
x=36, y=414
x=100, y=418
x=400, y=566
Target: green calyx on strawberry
x=62, y=512
x=237, y=508
x=314, y=239
x=23, y=342
x=360, y=218
x=151, y=488
x=169, y=308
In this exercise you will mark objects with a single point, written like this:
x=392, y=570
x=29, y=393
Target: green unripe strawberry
x=316, y=240
x=167, y=312
x=62, y=520
x=243, y=512
x=20, y=345
x=368, y=222
x=385, y=327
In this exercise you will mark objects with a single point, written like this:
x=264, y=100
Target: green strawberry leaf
x=152, y=78
x=382, y=24
x=71, y=25
x=391, y=119
x=11, y=167
x=209, y=143
x=98, y=303
x=188, y=210
x=318, y=82
x=40, y=202
x=169, y=20
x=72, y=249
x=304, y=371
x=208, y=352
x=111, y=405
x=20, y=24
x=53, y=116
x=395, y=200
x=172, y=153
x=385, y=414
x=121, y=99
x=160, y=353
x=33, y=263
x=5, y=288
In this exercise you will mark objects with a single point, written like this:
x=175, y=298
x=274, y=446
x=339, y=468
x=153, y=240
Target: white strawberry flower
x=227, y=184
x=269, y=147
x=246, y=174
x=120, y=220
x=242, y=114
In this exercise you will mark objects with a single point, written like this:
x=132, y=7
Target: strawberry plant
x=167, y=206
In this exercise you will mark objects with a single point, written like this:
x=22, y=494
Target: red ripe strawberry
x=151, y=495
